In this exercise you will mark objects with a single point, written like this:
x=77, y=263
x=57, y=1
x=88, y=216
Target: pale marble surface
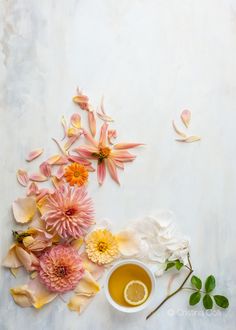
x=151, y=58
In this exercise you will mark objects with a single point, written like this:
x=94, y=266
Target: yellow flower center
x=102, y=246
x=104, y=152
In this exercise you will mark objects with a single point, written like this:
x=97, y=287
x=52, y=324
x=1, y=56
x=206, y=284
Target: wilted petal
x=34, y=154
x=178, y=131
x=111, y=134
x=189, y=139
x=101, y=172
x=82, y=101
x=75, y=120
x=112, y=170
x=24, y=209
x=72, y=132
x=92, y=122
x=128, y=242
x=64, y=125
x=33, y=189
x=102, y=115
x=103, y=134
x=22, y=177
x=186, y=117
x=45, y=169
x=127, y=145
x=38, y=177
x=11, y=260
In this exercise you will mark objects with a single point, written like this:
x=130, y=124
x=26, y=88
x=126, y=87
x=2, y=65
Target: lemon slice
x=135, y=293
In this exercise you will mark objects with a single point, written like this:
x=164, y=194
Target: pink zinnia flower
x=68, y=212
x=112, y=158
x=60, y=268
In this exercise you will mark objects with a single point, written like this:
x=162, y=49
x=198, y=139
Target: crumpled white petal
x=24, y=209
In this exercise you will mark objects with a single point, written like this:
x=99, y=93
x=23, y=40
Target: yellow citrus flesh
x=135, y=293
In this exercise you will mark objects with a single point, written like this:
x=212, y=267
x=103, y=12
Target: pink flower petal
x=89, y=137
x=102, y=115
x=71, y=141
x=64, y=125
x=122, y=156
x=103, y=134
x=57, y=160
x=28, y=259
x=92, y=122
x=56, y=182
x=38, y=177
x=186, y=117
x=33, y=189
x=75, y=120
x=42, y=193
x=111, y=134
x=101, y=172
x=60, y=172
x=112, y=170
x=34, y=154
x=127, y=145
x=11, y=260
x=177, y=131
x=22, y=177
x=119, y=164
x=78, y=159
x=72, y=132
x=45, y=169
x=86, y=151
x=59, y=146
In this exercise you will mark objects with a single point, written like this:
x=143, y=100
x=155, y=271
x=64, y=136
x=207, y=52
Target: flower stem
x=176, y=291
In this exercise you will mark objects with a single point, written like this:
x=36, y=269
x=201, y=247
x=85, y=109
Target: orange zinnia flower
x=76, y=174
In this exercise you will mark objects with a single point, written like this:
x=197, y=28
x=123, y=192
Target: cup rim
x=124, y=308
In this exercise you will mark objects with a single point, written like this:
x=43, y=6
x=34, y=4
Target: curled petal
x=186, y=117
x=178, y=131
x=94, y=269
x=34, y=154
x=24, y=209
x=11, y=260
x=86, y=151
x=57, y=160
x=42, y=193
x=56, y=182
x=89, y=137
x=82, y=101
x=45, y=169
x=92, y=122
x=64, y=125
x=32, y=294
x=72, y=132
x=102, y=115
x=112, y=170
x=59, y=146
x=111, y=134
x=28, y=259
x=71, y=141
x=75, y=120
x=33, y=189
x=122, y=156
x=189, y=139
x=127, y=145
x=78, y=303
x=101, y=172
x=103, y=134
x=22, y=177
x=60, y=172
x=87, y=285
x=128, y=242
x=38, y=177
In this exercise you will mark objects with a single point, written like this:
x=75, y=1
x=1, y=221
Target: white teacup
x=124, y=308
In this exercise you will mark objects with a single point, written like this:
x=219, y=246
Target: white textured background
x=151, y=59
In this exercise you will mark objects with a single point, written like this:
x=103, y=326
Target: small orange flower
x=76, y=174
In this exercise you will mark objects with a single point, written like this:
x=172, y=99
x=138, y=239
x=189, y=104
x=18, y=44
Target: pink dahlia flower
x=68, y=212
x=60, y=268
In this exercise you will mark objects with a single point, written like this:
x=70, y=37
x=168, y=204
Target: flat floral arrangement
x=64, y=248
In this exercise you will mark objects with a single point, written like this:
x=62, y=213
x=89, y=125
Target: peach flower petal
x=92, y=122
x=38, y=177
x=189, y=139
x=102, y=115
x=60, y=172
x=101, y=172
x=28, y=259
x=95, y=270
x=34, y=154
x=33, y=189
x=177, y=131
x=75, y=120
x=71, y=141
x=64, y=125
x=186, y=117
x=45, y=169
x=111, y=134
x=24, y=209
x=128, y=242
x=57, y=160
x=87, y=286
x=127, y=145
x=11, y=260
x=78, y=303
x=22, y=177
x=112, y=170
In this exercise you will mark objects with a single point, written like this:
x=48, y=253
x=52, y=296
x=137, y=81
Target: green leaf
x=207, y=301
x=178, y=264
x=194, y=298
x=210, y=283
x=196, y=281
x=170, y=265
x=221, y=301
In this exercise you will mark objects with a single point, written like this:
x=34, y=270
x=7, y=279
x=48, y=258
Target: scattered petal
x=71, y=141
x=33, y=189
x=78, y=159
x=128, y=242
x=101, y=172
x=178, y=131
x=11, y=260
x=87, y=286
x=45, y=169
x=127, y=145
x=34, y=154
x=56, y=182
x=22, y=177
x=189, y=139
x=60, y=172
x=111, y=134
x=72, y=132
x=92, y=122
x=64, y=125
x=75, y=120
x=112, y=170
x=82, y=101
x=78, y=303
x=59, y=146
x=95, y=270
x=24, y=209
x=186, y=117
x=38, y=177
x=102, y=115
x=28, y=259
x=57, y=160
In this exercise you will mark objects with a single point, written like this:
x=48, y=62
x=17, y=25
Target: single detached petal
x=111, y=134
x=127, y=145
x=75, y=120
x=189, y=139
x=24, y=209
x=28, y=259
x=34, y=154
x=22, y=177
x=72, y=132
x=11, y=260
x=112, y=170
x=129, y=242
x=60, y=172
x=87, y=286
x=57, y=160
x=71, y=141
x=94, y=269
x=103, y=134
x=101, y=172
x=186, y=117
x=63, y=151
x=38, y=177
x=102, y=115
x=78, y=303
x=92, y=123
x=33, y=189
x=64, y=125
x=56, y=182
x=178, y=131
x=45, y=169
x=89, y=138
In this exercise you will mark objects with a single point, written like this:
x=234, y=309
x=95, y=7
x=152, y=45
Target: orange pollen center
x=104, y=152
x=102, y=246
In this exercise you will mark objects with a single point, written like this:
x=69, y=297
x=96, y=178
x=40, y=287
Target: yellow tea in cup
x=121, y=276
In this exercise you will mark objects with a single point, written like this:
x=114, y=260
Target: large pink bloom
x=68, y=212
x=60, y=268
x=105, y=155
